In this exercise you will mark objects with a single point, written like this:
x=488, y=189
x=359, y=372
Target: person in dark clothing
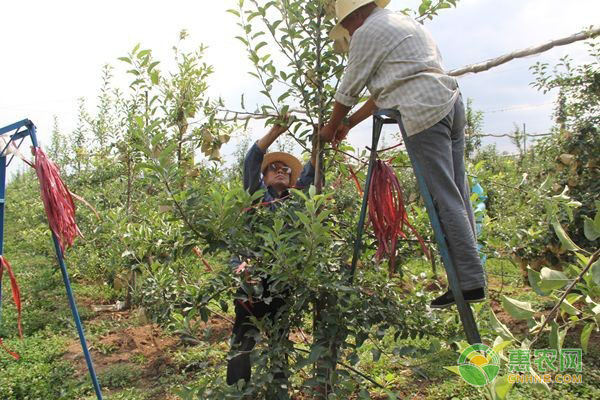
x=274, y=172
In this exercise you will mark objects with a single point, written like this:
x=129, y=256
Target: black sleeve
x=252, y=162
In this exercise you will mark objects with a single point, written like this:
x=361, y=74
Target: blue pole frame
x=21, y=134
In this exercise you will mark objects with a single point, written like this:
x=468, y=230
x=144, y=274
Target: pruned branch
x=494, y=62
x=591, y=262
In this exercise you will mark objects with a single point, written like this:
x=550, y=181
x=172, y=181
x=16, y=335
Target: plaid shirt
x=398, y=61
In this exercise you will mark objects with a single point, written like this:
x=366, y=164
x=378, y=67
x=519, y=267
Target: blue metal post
x=464, y=310
x=86, y=353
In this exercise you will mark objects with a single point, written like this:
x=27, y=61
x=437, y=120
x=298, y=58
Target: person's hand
x=340, y=134
x=241, y=268
x=283, y=125
x=328, y=133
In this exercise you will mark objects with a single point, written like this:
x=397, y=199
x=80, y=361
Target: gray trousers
x=440, y=150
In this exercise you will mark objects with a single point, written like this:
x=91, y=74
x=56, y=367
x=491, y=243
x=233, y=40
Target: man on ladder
x=400, y=64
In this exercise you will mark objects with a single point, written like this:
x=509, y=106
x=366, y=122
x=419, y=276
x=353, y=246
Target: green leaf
x=500, y=328
x=517, y=309
x=143, y=53
x=501, y=346
x=241, y=39
x=376, y=354
x=152, y=65
x=303, y=218
x=453, y=369
x=535, y=279
x=596, y=272
x=502, y=386
x=567, y=307
x=316, y=353
x=585, y=336
x=557, y=336
x=234, y=12
x=125, y=59
x=552, y=279
x=538, y=384
x=473, y=374
x=425, y=4
x=590, y=230
x=260, y=45
x=154, y=77
x=565, y=240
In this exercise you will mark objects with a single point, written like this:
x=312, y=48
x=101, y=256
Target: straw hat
x=288, y=160
x=343, y=8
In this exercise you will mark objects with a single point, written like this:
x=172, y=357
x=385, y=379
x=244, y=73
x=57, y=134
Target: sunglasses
x=278, y=167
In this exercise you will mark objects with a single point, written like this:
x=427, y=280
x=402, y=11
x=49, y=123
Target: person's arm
x=267, y=140
x=307, y=177
x=252, y=163
x=339, y=112
x=364, y=58
x=359, y=116
x=363, y=113
x=255, y=156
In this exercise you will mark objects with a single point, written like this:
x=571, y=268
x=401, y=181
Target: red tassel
x=15, y=290
x=57, y=199
x=12, y=353
x=387, y=212
x=16, y=293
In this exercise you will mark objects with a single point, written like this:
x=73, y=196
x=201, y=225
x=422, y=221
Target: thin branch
x=348, y=367
x=494, y=62
x=593, y=259
x=180, y=209
x=220, y=315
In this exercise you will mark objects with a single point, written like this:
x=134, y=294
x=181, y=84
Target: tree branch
x=494, y=62
x=593, y=259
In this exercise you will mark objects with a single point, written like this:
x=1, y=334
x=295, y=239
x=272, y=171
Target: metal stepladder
x=23, y=129
x=388, y=116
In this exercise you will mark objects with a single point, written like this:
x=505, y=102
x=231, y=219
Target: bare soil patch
x=122, y=347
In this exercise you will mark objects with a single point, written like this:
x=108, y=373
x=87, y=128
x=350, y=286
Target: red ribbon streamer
x=387, y=212
x=57, y=199
x=16, y=293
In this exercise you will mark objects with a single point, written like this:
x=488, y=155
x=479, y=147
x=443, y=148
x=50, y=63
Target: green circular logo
x=478, y=364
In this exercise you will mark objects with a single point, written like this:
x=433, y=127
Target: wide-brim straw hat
x=288, y=160
x=343, y=8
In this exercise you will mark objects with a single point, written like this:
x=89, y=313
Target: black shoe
x=470, y=296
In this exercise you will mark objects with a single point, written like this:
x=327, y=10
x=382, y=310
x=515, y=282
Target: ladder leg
x=377, y=126
x=464, y=310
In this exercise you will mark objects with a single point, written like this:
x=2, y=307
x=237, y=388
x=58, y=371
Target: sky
x=52, y=54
